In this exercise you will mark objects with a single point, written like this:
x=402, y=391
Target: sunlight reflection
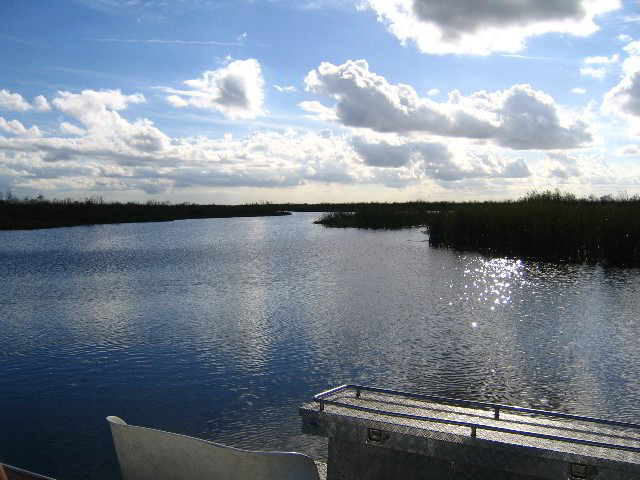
x=490, y=283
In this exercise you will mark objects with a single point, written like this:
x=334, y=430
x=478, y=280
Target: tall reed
x=545, y=227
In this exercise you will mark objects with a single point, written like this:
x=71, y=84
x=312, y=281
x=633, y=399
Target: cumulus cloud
x=287, y=88
x=97, y=148
x=623, y=100
x=435, y=160
x=260, y=159
x=17, y=128
x=13, y=101
x=479, y=27
x=71, y=129
x=602, y=60
x=235, y=90
x=177, y=101
x=41, y=104
x=433, y=91
x=319, y=111
x=386, y=154
x=596, y=72
x=591, y=169
x=518, y=118
x=631, y=150
x=98, y=112
x=579, y=90
x=113, y=153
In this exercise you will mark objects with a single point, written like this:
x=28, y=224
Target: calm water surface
x=221, y=328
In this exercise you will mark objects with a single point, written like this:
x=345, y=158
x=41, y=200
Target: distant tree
x=549, y=195
x=623, y=196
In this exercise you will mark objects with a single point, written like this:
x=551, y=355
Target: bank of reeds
x=547, y=226
x=544, y=226
x=382, y=216
x=22, y=214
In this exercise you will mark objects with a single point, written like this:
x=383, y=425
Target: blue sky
x=318, y=100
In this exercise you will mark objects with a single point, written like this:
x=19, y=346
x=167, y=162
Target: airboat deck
x=377, y=433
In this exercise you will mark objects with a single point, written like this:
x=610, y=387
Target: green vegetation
x=21, y=214
x=548, y=226
x=545, y=226
x=380, y=216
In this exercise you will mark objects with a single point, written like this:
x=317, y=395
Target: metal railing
x=322, y=400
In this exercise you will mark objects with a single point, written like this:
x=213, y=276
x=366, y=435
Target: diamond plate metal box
x=377, y=434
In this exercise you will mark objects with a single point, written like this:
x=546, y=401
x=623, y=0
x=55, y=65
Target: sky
x=238, y=101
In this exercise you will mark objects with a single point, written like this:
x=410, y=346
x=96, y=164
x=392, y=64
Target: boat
x=7, y=472
x=376, y=433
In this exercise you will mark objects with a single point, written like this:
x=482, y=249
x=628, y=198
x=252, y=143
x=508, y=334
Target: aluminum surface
x=446, y=435
x=148, y=454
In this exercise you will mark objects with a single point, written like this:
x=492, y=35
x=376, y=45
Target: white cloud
x=518, y=118
x=260, y=159
x=398, y=154
x=98, y=112
x=41, y=104
x=591, y=169
x=597, y=73
x=17, y=128
x=71, y=129
x=624, y=38
x=320, y=112
x=287, y=88
x=235, y=89
x=479, y=27
x=177, y=101
x=13, y=101
x=579, y=90
x=436, y=161
x=97, y=148
x=623, y=100
x=631, y=150
x=433, y=91
x=602, y=60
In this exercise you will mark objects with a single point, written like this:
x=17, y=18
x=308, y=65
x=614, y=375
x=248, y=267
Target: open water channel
x=221, y=328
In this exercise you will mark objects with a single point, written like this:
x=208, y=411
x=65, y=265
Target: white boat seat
x=148, y=454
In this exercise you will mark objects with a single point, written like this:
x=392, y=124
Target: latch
x=578, y=470
x=377, y=436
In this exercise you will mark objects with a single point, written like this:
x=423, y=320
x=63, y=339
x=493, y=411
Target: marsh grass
x=22, y=214
x=382, y=216
x=546, y=226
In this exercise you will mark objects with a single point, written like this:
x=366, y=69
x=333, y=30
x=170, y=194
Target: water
x=222, y=328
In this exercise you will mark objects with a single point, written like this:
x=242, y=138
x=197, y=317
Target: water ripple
x=221, y=328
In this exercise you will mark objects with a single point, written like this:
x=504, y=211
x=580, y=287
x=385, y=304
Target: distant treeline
x=548, y=225
x=25, y=213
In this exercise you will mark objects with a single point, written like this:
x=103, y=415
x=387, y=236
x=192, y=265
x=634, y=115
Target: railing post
x=497, y=413
x=357, y=393
x=473, y=432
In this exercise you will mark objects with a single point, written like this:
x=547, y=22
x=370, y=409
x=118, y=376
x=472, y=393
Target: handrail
x=322, y=400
